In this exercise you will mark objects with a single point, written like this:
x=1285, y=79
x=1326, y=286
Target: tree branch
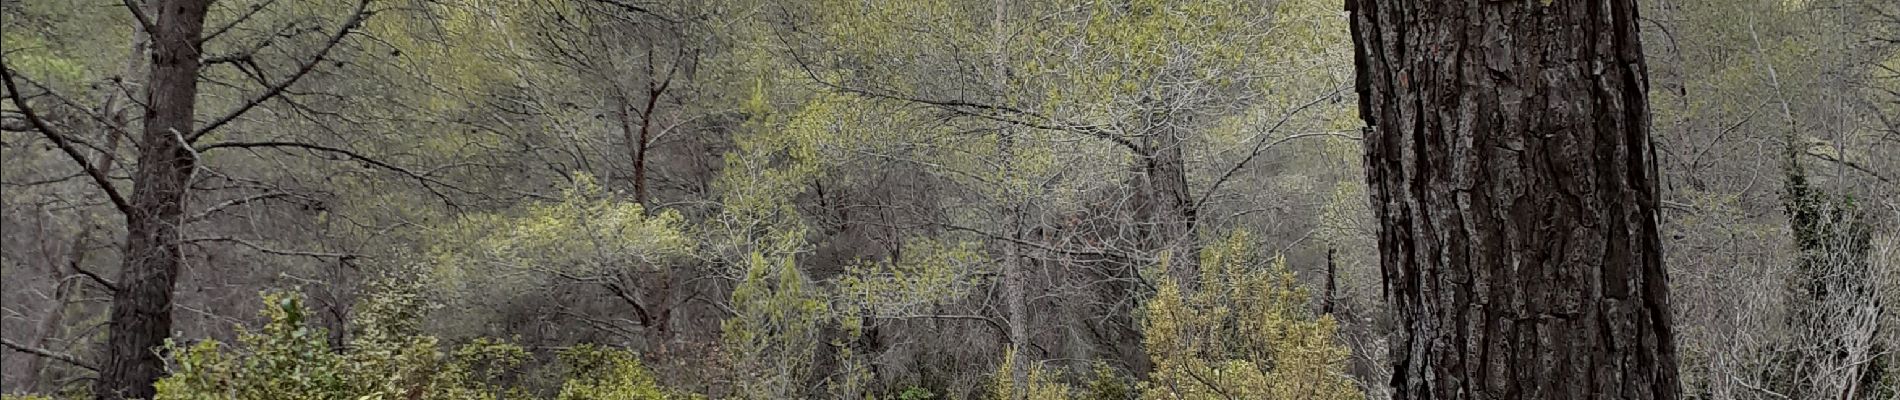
x=356, y=18
x=636, y=9
x=267, y=250
x=234, y=22
x=98, y=177
x=1263, y=145
x=102, y=281
x=138, y=13
x=67, y=358
x=425, y=179
x=233, y=202
x=1850, y=164
x=998, y=113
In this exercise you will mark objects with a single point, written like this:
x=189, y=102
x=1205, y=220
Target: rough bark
x=141, y=317
x=1165, y=207
x=1511, y=169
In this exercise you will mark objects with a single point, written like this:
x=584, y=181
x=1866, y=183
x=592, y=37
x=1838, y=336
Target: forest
x=949, y=199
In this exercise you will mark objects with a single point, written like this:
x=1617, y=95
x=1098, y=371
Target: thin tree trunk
x=141, y=317
x=1332, y=282
x=640, y=150
x=636, y=144
x=65, y=285
x=1015, y=278
x=1511, y=169
x=640, y=137
x=116, y=106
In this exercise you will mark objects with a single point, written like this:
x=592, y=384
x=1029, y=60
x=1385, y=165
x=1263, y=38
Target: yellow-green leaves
x=587, y=232
x=290, y=359
x=774, y=330
x=1041, y=385
x=930, y=273
x=598, y=373
x=1246, y=334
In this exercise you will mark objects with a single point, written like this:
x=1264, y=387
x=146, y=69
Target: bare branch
x=1850, y=164
x=98, y=177
x=636, y=8
x=138, y=13
x=267, y=250
x=102, y=281
x=67, y=358
x=424, y=178
x=993, y=112
x=1264, y=145
x=356, y=18
x=233, y=202
x=234, y=22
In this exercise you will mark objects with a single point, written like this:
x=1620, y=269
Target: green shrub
x=287, y=359
x=1247, y=334
x=597, y=373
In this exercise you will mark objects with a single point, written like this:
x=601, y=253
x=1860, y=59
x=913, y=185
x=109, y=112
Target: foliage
x=1832, y=294
x=1041, y=385
x=773, y=333
x=831, y=194
x=1108, y=384
x=1246, y=334
x=916, y=393
x=587, y=232
x=598, y=373
x=288, y=359
x=928, y=273
x=588, y=236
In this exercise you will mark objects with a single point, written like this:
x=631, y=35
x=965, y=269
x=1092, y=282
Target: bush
x=287, y=359
x=1246, y=334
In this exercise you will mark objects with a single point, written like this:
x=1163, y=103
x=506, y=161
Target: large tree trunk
x=141, y=317
x=1510, y=166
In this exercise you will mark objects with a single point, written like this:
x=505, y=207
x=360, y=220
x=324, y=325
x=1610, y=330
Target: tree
x=168, y=158
x=1511, y=170
x=141, y=307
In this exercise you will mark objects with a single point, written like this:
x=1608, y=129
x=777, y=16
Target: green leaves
x=599, y=373
x=1246, y=334
x=588, y=234
x=774, y=329
x=289, y=360
x=1042, y=384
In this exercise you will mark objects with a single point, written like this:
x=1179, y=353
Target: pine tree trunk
x=1015, y=274
x=1511, y=170
x=1166, y=207
x=141, y=317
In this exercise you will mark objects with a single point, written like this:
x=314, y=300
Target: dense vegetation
x=926, y=199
